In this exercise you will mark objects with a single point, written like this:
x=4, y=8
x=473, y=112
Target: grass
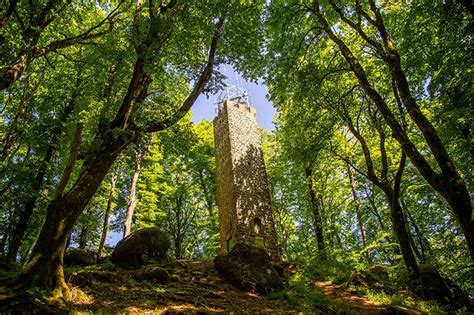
x=301, y=292
x=406, y=300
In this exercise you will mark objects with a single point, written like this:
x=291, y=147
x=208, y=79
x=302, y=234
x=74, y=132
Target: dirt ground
x=199, y=289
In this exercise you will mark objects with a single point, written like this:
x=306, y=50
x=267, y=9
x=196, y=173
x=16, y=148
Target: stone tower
x=243, y=195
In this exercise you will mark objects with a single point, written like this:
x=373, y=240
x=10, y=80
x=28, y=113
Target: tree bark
x=392, y=193
x=108, y=209
x=132, y=202
x=83, y=236
x=44, y=268
x=359, y=215
x=132, y=197
x=318, y=226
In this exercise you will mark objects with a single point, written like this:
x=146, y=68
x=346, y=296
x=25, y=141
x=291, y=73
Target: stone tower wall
x=243, y=195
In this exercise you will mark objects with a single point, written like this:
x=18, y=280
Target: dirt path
x=359, y=304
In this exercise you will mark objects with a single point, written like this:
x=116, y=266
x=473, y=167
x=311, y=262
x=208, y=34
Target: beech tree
x=44, y=268
x=366, y=25
x=34, y=31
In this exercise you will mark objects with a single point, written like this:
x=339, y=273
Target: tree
x=37, y=21
x=44, y=268
x=141, y=149
x=448, y=183
x=363, y=41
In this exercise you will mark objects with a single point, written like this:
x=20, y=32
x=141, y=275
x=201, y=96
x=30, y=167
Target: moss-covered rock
x=86, y=278
x=141, y=247
x=375, y=278
x=442, y=290
x=154, y=274
x=80, y=257
x=249, y=268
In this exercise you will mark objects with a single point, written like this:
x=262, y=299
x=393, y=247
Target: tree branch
x=78, y=39
x=11, y=8
x=198, y=87
x=70, y=163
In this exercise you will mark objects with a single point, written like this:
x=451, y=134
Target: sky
x=205, y=108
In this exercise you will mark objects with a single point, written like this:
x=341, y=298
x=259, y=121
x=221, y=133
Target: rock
x=80, y=257
x=378, y=272
x=443, y=291
x=141, y=247
x=86, y=278
x=373, y=278
x=249, y=268
x=153, y=274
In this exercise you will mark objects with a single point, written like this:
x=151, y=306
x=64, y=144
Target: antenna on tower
x=235, y=94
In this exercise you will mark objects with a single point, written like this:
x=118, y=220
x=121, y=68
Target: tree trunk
x=83, y=236
x=70, y=162
x=399, y=227
x=18, y=232
x=359, y=215
x=207, y=194
x=424, y=243
x=315, y=210
x=12, y=72
x=132, y=201
x=178, y=247
x=44, y=268
x=108, y=209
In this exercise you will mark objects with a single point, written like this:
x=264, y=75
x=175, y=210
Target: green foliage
x=301, y=293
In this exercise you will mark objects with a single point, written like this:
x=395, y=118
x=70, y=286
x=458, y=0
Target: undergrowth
x=301, y=292
x=406, y=300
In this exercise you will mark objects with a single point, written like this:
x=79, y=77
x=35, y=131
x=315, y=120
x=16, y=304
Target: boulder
x=249, y=268
x=154, y=274
x=374, y=278
x=141, y=247
x=86, y=278
x=80, y=257
x=443, y=291
x=378, y=272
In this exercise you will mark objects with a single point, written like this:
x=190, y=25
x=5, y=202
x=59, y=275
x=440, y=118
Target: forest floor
x=198, y=288
x=195, y=287
x=349, y=298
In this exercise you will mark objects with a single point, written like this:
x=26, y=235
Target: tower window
x=257, y=226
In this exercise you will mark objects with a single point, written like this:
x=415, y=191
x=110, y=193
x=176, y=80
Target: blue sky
x=205, y=108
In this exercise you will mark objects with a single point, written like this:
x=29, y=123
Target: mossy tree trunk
x=108, y=209
x=44, y=268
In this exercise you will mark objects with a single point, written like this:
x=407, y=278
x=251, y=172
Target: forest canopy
x=370, y=162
